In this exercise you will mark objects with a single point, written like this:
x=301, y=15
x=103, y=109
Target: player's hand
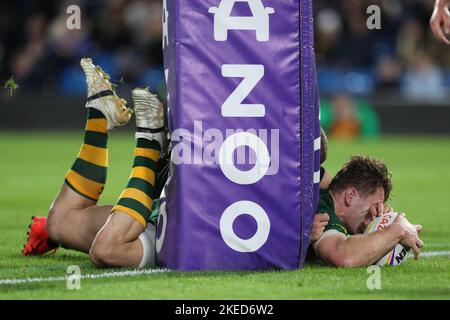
x=418, y=227
x=374, y=212
x=319, y=223
x=379, y=210
x=386, y=208
x=440, y=21
x=410, y=237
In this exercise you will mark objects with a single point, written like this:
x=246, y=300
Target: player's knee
x=102, y=251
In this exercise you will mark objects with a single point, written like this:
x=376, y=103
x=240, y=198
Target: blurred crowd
x=124, y=36
x=402, y=54
x=356, y=65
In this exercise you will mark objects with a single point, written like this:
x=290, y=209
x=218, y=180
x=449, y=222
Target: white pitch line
x=134, y=273
x=116, y=274
x=434, y=254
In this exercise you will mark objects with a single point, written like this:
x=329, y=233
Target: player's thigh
x=93, y=218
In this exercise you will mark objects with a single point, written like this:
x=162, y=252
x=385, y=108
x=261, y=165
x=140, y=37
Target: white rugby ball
x=398, y=254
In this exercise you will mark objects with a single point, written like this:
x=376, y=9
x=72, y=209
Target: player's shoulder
x=326, y=205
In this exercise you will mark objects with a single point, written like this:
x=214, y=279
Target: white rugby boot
x=149, y=112
x=102, y=96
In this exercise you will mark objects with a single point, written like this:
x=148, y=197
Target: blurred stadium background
x=393, y=80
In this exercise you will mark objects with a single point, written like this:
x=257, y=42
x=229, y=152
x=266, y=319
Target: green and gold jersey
x=326, y=205
x=155, y=212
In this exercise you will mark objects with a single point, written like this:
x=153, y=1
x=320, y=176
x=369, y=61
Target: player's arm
x=336, y=249
x=440, y=20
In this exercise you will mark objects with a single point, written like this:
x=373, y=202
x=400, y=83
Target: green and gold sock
x=137, y=198
x=88, y=174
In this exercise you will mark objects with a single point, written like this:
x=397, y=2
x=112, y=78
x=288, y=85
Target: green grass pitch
x=32, y=167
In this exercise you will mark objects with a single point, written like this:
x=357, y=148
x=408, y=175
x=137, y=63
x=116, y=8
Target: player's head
x=363, y=182
x=323, y=146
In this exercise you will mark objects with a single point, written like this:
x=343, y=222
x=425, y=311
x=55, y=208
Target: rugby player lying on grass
x=122, y=235
x=354, y=197
x=321, y=220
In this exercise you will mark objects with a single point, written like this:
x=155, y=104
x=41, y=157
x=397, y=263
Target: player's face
x=359, y=216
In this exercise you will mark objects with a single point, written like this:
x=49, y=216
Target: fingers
x=415, y=229
x=373, y=212
x=418, y=228
x=436, y=22
x=420, y=243
x=380, y=209
x=416, y=248
x=446, y=22
x=412, y=228
x=319, y=224
x=316, y=233
x=322, y=217
x=446, y=28
x=416, y=251
x=320, y=231
x=400, y=218
x=441, y=36
x=438, y=32
x=411, y=238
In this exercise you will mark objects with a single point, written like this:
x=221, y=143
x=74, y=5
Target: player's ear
x=349, y=195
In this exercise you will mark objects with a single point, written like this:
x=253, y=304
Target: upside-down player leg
x=74, y=218
x=122, y=242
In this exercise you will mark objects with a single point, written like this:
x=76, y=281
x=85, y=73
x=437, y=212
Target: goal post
x=243, y=115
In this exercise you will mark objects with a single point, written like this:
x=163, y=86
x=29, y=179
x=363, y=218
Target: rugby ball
x=398, y=254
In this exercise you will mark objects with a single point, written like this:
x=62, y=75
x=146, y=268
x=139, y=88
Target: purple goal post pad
x=243, y=118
